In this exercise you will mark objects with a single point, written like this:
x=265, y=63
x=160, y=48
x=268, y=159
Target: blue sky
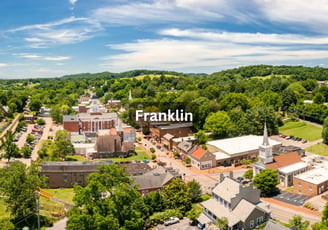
x=47, y=38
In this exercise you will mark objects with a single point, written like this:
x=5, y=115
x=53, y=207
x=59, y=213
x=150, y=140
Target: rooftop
x=293, y=167
x=284, y=160
x=221, y=156
x=175, y=126
x=315, y=176
x=69, y=118
x=198, y=153
x=181, y=139
x=237, y=145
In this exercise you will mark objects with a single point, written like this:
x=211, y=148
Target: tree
x=11, y=149
x=218, y=123
x=248, y=174
x=18, y=186
x=201, y=136
x=62, y=144
x=187, y=160
x=194, y=213
x=30, y=138
x=153, y=156
x=298, y=223
x=195, y=190
x=324, y=218
x=107, y=202
x=319, y=98
x=40, y=121
x=324, y=133
x=233, y=100
x=35, y=105
x=222, y=223
x=266, y=181
x=6, y=224
x=177, y=196
x=26, y=151
x=56, y=114
x=154, y=201
x=152, y=150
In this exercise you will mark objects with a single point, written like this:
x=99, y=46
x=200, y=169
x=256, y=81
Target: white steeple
x=130, y=95
x=265, y=150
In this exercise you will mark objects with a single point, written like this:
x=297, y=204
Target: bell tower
x=265, y=150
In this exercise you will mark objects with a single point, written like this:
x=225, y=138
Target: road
x=60, y=225
x=285, y=214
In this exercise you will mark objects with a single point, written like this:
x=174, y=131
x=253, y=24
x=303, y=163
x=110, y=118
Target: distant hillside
x=296, y=72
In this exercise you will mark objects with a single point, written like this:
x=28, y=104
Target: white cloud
x=3, y=65
x=211, y=51
x=312, y=14
x=65, y=31
x=73, y=1
x=41, y=57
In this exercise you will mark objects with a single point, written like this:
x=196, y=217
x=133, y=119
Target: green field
x=270, y=76
x=320, y=149
x=139, y=157
x=302, y=130
x=3, y=212
x=65, y=194
x=76, y=158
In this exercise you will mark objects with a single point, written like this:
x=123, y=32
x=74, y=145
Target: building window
x=299, y=184
x=259, y=220
x=251, y=224
x=310, y=188
x=65, y=178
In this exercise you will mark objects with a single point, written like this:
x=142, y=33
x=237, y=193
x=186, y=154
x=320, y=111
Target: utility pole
x=38, y=208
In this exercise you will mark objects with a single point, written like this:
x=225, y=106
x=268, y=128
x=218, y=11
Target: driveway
x=182, y=225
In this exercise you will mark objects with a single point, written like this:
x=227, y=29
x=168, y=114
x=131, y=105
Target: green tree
x=194, y=213
x=233, y=100
x=152, y=150
x=194, y=189
x=222, y=223
x=324, y=133
x=26, y=151
x=57, y=114
x=298, y=223
x=35, y=105
x=154, y=201
x=201, y=136
x=30, y=138
x=18, y=186
x=324, y=218
x=153, y=156
x=6, y=224
x=187, y=160
x=248, y=174
x=266, y=181
x=177, y=196
x=11, y=149
x=62, y=144
x=319, y=98
x=218, y=123
x=107, y=202
x=40, y=121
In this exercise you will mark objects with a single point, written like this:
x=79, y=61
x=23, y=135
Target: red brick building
x=176, y=130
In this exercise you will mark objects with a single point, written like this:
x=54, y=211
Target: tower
x=130, y=95
x=265, y=150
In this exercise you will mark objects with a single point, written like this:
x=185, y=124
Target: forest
x=227, y=103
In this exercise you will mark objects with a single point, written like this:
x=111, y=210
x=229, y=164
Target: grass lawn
x=141, y=155
x=302, y=130
x=65, y=194
x=3, y=212
x=320, y=149
x=76, y=158
x=270, y=76
x=51, y=209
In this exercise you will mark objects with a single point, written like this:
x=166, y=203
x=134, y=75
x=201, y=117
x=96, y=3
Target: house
x=64, y=174
x=154, y=180
x=232, y=151
x=202, y=159
x=167, y=141
x=287, y=164
x=184, y=148
x=273, y=225
x=240, y=204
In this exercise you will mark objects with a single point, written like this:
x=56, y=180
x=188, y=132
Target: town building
x=231, y=151
x=312, y=182
x=185, y=148
x=175, y=129
x=273, y=225
x=155, y=179
x=287, y=164
x=240, y=204
x=29, y=118
x=202, y=159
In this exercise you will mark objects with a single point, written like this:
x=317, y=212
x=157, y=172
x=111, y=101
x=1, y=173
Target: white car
x=171, y=220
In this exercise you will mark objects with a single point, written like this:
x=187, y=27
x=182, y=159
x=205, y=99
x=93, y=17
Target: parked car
x=171, y=220
x=239, y=179
x=304, y=141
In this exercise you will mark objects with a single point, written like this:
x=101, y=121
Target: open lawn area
x=141, y=155
x=76, y=158
x=65, y=194
x=270, y=76
x=320, y=149
x=302, y=130
x=3, y=212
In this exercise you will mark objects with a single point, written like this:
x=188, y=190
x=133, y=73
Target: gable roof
x=272, y=225
x=239, y=210
x=198, y=153
x=283, y=160
x=227, y=189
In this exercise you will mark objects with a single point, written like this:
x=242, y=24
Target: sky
x=52, y=38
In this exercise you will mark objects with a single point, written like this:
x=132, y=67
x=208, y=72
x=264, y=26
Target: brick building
x=176, y=130
x=202, y=159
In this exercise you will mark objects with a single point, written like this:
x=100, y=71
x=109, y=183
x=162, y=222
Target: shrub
x=159, y=217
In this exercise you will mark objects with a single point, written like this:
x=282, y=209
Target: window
x=65, y=178
x=299, y=184
x=251, y=224
x=259, y=220
x=310, y=188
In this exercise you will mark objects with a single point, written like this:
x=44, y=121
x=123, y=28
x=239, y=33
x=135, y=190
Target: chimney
x=231, y=174
x=221, y=177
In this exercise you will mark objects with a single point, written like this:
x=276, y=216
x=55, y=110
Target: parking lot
x=182, y=225
x=291, y=198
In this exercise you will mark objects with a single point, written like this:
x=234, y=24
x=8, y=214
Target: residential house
x=273, y=225
x=202, y=159
x=155, y=179
x=240, y=204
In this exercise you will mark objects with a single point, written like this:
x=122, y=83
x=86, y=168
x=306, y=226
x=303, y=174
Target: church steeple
x=265, y=150
x=265, y=136
x=130, y=95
